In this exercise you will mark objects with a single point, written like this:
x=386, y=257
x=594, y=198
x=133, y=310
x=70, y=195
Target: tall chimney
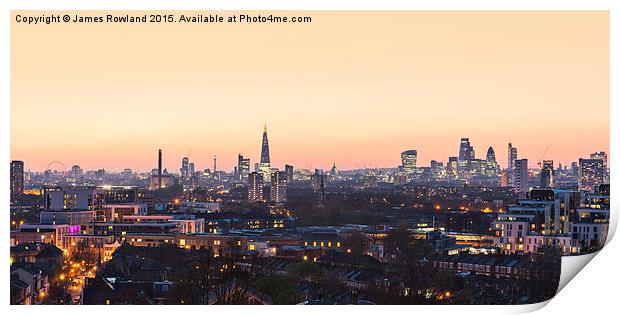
x=159, y=171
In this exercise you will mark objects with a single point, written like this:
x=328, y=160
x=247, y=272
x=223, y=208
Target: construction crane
x=542, y=158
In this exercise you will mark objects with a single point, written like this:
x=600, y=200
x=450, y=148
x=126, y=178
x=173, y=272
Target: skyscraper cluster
x=464, y=166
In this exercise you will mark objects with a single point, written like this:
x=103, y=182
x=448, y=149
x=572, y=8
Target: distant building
x=288, y=169
x=191, y=169
x=243, y=167
x=76, y=171
x=574, y=168
x=184, y=168
x=466, y=151
x=265, y=162
x=491, y=166
x=521, y=177
x=452, y=168
x=158, y=182
x=317, y=179
x=17, y=180
x=409, y=159
x=278, y=187
x=546, y=174
x=591, y=174
x=162, y=181
x=255, y=187
x=437, y=170
x=512, y=156
x=333, y=171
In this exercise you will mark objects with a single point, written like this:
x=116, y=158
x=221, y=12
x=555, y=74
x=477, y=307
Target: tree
x=397, y=240
x=304, y=270
x=279, y=289
x=356, y=244
x=237, y=275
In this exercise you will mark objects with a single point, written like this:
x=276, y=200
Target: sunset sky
x=351, y=88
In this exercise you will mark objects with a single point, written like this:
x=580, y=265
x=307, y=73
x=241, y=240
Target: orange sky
x=351, y=88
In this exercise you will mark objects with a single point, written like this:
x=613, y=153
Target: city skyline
x=517, y=77
x=306, y=157
x=173, y=165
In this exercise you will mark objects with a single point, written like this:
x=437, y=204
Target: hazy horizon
x=350, y=88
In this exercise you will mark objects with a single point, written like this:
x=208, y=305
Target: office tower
x=278, y=187
x=574, y=167
x=512, y=156
x=243, y=167
x=185, y=168
x=466, y=151
x=288, y=169
x=602, y=156
x=503, y=178
x=408, y=159
x=191, y=170
x=521, y=177
x=437, y=170
x=546, y=174
x=491, y=166
x=255, y=187
x=452, y=167
x=591, y=174
x=159, y=169
x=265, y=164
x=17, y=180
x=317, y=178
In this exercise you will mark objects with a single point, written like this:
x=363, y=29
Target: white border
x=596, y=289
